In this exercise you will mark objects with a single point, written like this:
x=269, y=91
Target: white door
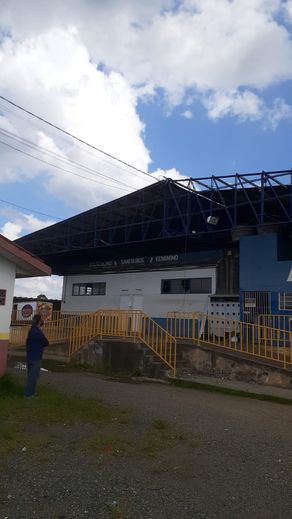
x=131, y=302
x=137, y=302
x=125, y=302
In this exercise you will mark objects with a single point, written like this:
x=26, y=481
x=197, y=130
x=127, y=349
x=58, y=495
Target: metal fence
x=79, y=329
x=255, y=340
x=259, y=340
x=284, y=322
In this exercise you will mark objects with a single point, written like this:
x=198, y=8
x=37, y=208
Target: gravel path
x=239, y=466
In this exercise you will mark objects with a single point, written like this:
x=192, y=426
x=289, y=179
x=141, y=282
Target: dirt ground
x=148, y=451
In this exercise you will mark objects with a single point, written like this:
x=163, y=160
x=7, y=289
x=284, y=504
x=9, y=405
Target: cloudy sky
x=173, y=87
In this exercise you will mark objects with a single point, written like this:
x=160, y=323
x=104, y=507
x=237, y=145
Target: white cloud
x=217, y=45
x=32, y=287
x=277, y=113
x=161, y=174
x=245, y=105
x=20, y=223
x=11, y=230
x=288, y=10
x=99, y=107
x=187, y=114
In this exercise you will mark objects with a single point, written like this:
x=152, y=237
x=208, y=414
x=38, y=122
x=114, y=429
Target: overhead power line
x=64, y=138
x=59, y=167
x=66, y=160
x=76, y=138
x=29, y=209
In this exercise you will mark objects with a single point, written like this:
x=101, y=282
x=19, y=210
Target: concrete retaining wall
x=120, y=356
x=208, y=362
x=136, y=358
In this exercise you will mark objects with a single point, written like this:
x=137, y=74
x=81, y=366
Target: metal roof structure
x=167, y=216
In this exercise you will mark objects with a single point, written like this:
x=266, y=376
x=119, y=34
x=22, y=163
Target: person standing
x=35, y=343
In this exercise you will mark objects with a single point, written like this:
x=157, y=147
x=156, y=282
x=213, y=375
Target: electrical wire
x=50, y=131
x=60, y=168
x=29, y=209
x=66, y=160
x=75, y=137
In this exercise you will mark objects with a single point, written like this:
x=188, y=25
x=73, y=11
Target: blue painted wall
x=260, y=268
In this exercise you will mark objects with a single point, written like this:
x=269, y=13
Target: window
x=2, y=296
x=285, y=301
x=186, y=286
x=201, y=286
x=88, y=289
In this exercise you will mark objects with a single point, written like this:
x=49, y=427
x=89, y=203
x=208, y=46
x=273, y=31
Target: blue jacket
x=35, y=343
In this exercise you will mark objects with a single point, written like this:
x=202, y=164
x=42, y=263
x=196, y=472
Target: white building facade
x=155, y=292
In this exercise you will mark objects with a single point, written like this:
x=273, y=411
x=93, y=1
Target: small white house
x=15, y=262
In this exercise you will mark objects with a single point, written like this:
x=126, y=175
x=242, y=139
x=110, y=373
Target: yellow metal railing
x=56, y=332
x=182, y=324
x=78, y=330
x=124, y=323
x=284, y=322
x=18, y=334
x=256, y=340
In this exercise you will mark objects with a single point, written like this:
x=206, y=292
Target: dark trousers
x=33, y=373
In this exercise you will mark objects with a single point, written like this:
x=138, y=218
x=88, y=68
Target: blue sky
x=176, y=88
x=200, y=147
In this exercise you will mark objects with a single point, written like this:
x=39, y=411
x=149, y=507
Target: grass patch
x=56, y=423
x=154, y=444
x=162, y=436
x=189, y=384
x=108, y=444
x=8, y=388
x=117, y=511
x=41, y=422
x=159, y=424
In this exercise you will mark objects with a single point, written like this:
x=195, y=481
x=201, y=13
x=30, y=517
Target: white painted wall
x=146, y=284
x=7, y=280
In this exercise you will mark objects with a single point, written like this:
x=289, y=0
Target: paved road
x=241, y=466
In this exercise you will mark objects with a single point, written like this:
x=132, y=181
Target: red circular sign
x=26, y=311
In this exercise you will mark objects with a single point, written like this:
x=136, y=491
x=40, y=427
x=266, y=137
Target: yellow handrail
x=256, y=340
x=79, y=329
x=282, y=321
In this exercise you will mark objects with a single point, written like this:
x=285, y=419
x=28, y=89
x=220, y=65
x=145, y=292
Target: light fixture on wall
x=213, y=220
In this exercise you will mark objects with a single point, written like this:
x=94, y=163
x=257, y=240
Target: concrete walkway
x=248, y=387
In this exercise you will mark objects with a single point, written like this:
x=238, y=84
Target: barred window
x=186, y=286
x=285, y=300
x=2, y=296
x=88, y=289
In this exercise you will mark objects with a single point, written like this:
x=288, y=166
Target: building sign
x=153, y=262
x=142, y=261
x=250, y=302
x=2, y=297
x=26, y=311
